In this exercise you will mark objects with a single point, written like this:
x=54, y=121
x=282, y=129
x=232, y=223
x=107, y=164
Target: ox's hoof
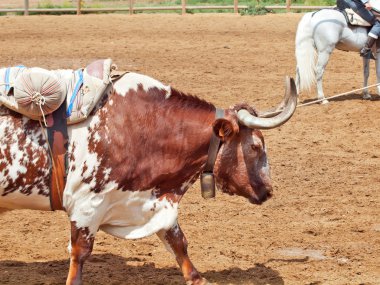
x=202, y=281
x=324, y=102
x=367, y=96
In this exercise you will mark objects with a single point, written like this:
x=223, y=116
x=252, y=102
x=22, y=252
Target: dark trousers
x=360, y=9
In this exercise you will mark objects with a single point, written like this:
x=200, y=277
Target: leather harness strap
x=214, y=145
x=58, y=142
x=58, y=139
x=207, y=175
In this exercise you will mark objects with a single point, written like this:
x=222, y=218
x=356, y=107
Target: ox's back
x=142, y=122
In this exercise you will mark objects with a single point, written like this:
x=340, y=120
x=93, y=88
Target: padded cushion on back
x=96, y=78
x=38, y=90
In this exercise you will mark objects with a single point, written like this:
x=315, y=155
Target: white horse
x=318, y=33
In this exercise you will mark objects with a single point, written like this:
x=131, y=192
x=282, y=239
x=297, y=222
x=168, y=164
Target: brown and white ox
x=132, y=161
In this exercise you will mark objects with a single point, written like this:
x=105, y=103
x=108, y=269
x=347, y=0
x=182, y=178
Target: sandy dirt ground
x=323, y=224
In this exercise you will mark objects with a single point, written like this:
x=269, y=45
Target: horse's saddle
x=354, y=18
x=36, y=92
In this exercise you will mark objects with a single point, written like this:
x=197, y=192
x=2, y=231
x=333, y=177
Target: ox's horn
x=273, y=119
x=277, y=110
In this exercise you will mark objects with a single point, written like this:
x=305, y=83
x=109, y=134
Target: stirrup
x=367, y=54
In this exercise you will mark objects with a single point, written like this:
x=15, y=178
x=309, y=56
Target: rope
x=326, y=98
x=338, y=95
x=2, y=84
x=39, y=100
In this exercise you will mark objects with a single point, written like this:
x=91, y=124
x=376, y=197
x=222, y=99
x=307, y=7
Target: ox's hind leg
x=175, y=241
x=81, y=247
x=3, y=210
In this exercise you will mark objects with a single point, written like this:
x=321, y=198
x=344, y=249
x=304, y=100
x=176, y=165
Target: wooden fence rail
x=132, y=8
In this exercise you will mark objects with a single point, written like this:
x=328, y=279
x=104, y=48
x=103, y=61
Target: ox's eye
x=257, y=146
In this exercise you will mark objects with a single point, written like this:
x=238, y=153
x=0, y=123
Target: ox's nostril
x=270, y=192
x=266, y=193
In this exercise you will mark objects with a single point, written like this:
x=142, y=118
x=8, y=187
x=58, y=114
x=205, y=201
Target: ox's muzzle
x=264, y=192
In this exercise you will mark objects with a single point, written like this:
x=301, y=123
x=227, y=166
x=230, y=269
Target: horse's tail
x=305, y=54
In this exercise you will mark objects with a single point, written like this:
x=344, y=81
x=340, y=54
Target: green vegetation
x=255, y=10
x=317, y=2
x=48, y=4
x=255, y=7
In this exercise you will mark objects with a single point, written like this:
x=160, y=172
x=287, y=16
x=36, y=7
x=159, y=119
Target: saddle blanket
x=354, y=18
x=36, y=92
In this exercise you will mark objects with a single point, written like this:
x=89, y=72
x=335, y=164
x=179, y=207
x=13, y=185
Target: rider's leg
x=360, y=9
x=373, y=35
x=366, y=50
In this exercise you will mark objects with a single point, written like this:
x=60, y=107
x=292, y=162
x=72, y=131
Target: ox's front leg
x=81, y=247
x=175, y=241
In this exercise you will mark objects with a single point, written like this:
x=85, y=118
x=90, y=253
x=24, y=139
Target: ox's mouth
x=264, y=193
x=261, y=198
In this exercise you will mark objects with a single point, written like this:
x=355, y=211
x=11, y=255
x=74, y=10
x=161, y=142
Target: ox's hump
x=135, y=81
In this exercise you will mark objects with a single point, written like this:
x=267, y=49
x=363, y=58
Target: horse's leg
x=176, y=243
x=323, y=58
x=81, y=247
x=377, y=64
x=366, y=94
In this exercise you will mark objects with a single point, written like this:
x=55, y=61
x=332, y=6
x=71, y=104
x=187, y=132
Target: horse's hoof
x=324, y=102
x=367, y=97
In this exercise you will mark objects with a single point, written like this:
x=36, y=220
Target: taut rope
x=338, y=95
x=326, y=98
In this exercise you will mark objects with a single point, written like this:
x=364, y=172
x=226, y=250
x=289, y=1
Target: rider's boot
x=366, y=50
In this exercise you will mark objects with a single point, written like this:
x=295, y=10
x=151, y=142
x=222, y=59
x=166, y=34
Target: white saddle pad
x=355, y=19
x=36, y=92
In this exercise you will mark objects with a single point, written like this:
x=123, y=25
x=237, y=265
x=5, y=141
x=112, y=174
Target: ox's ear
x=225, y=129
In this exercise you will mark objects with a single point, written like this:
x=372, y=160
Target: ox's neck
x=162, y=142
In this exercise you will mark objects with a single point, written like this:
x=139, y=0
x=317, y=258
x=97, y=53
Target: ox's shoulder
x=133, y=81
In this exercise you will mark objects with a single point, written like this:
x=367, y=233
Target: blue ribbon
x=7, y=74
x=7, y=86
x=75, y=92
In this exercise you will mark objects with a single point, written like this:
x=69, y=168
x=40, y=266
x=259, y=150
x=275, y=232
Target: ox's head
x=241, y=166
